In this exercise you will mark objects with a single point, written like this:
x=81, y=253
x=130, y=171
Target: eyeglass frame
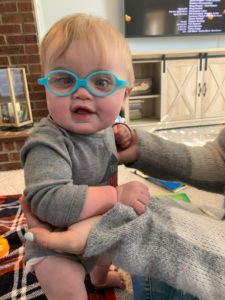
x=82, y=82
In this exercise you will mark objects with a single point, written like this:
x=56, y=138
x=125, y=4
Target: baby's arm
x=58, y=200
x=99, y=201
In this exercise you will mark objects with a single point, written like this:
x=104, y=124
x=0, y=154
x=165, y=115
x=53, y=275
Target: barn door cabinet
x=177, y=89
x=194, y=90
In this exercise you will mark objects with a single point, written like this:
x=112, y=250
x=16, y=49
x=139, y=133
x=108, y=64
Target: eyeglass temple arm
x=42, y=81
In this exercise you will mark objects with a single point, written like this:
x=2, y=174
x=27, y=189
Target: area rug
x=14, y=283
x=191, y=136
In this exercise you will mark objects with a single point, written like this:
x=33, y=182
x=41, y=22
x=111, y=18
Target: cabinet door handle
x=199, y=89
x=204, y=89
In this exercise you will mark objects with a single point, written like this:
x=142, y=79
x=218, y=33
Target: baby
x=70, y=159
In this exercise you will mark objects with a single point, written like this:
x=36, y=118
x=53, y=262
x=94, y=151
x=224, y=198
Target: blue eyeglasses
x=64, y=83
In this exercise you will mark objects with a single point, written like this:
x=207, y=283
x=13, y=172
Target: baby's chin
x=85, y=129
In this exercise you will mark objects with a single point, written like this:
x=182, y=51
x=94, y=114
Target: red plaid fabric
x=14, y=283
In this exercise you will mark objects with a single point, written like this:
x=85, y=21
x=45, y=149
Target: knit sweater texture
x=173, y=241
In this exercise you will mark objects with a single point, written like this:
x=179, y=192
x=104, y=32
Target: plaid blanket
x=14, y=283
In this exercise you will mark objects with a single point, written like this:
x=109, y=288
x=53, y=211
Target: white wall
x=49, y=11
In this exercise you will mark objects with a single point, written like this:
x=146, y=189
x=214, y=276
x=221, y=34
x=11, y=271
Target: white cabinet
x=188, y=89
x=194, y=89
x=213, y=88
x=180, y=90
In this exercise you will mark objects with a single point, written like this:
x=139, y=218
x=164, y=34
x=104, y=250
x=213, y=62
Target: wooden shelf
x=143, y=97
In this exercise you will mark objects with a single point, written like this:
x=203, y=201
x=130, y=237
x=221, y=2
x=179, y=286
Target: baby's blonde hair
x=100, y=35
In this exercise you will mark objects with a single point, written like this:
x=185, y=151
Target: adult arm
x=172, y=241
x=202, y=167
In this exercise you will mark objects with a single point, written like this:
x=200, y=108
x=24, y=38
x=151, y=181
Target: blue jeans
x=147, y=288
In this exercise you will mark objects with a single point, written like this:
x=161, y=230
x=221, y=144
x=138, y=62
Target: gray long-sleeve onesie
x=59, y=166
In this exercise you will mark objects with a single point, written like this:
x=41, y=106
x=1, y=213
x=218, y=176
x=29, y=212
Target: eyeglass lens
x=98, y=83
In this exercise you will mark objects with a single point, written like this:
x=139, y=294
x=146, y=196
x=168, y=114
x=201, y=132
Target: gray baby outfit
x=59, y=166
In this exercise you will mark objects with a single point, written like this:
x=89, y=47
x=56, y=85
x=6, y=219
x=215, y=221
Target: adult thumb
x=59, y=241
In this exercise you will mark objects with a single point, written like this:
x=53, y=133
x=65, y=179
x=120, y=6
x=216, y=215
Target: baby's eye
x=61, y=81
x=102, y=82
x=65, y=80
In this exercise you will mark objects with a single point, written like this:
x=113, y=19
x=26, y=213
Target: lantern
x=15, y=109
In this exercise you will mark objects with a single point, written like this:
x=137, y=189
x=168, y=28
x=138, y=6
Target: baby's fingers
x=139, y=207
x=145, y=199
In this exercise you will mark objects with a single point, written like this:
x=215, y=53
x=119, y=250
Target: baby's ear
x=127, y=92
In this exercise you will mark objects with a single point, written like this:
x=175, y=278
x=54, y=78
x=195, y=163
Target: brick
x=10, y=166
x=8, y=8
x=34, y=68
x=32, y=78
x=4, y=61
x=14, y=156
x=38, y=95
x=40, y=113
x=4, y=157
x=19, y=145
x=2, y=40
x=9, y=29
x=24, y=6
x=18, y=18
x=32, y=49
x=7, y=50
x=22, y=39
x=29, y=28
x=24, y=59
x=35, y=88
x=40, y=104
x=8, y=146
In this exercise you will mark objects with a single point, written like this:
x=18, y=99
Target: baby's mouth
x=81, y=110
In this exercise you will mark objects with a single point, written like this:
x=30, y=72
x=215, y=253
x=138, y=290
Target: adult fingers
x=32, y=221
x=60, y=241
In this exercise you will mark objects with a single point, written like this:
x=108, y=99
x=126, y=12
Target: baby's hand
x=134, y=194
x=123, y=136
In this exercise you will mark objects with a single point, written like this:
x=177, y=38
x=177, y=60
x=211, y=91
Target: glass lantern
x=15, y=108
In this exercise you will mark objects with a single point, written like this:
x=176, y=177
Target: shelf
x=143, y=97
x=144, y=121
x=145, y=107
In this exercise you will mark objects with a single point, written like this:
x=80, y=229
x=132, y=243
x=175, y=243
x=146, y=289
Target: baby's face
x=82, y=112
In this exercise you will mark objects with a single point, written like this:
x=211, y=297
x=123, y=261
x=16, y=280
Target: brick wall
x=10, y=145
x=19, y=48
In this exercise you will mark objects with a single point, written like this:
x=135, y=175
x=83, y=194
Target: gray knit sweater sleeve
x=202, y=167
x=171, y=241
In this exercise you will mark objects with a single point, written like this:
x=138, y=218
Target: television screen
x=173, y=17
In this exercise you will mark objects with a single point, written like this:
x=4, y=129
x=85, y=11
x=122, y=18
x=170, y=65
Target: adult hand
x=134, y=194
x=72, y=240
